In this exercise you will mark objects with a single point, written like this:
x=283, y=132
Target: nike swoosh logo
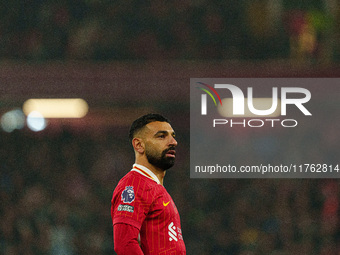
x=165, y=204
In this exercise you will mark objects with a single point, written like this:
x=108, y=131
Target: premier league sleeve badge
x=128, y=195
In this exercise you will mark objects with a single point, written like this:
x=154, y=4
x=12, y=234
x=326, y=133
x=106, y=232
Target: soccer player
x=142, y=210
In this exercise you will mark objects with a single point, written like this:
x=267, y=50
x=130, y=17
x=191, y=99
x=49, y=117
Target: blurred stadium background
x=127, y=58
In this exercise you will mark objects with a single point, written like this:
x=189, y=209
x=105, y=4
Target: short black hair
x=142, y=121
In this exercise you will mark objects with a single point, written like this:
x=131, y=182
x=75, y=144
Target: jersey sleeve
x=131, y=203
x=125, y=240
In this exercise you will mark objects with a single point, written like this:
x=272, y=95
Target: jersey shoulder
x=135, y=178
x=134, y=184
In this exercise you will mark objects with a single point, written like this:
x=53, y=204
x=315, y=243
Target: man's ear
x=138, y=145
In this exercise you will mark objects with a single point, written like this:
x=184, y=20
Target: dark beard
x=161, y=162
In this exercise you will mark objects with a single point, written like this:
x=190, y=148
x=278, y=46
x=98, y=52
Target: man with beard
x=145, y=218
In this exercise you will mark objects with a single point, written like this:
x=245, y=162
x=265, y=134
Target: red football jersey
x=141, y=201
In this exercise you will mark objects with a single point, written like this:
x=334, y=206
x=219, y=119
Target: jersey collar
x=145, y=171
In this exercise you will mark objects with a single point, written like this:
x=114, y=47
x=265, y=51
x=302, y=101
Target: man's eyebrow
x=165, y=132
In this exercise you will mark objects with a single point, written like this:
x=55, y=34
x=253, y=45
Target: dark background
x=127, y=58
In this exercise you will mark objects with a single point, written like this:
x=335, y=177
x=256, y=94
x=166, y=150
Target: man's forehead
x=156, y=126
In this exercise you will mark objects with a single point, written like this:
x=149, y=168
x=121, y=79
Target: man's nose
x=173, y=141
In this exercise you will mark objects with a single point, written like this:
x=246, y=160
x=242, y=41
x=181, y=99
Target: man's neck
x=158, y=172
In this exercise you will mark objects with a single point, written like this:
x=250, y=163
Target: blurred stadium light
x=57, y=107
x=36, y=121
x=12, y=120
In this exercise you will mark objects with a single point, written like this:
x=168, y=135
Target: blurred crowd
x=55, y=191
x=187, y=29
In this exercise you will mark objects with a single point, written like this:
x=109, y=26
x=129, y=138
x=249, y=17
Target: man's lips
x=171, y=153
